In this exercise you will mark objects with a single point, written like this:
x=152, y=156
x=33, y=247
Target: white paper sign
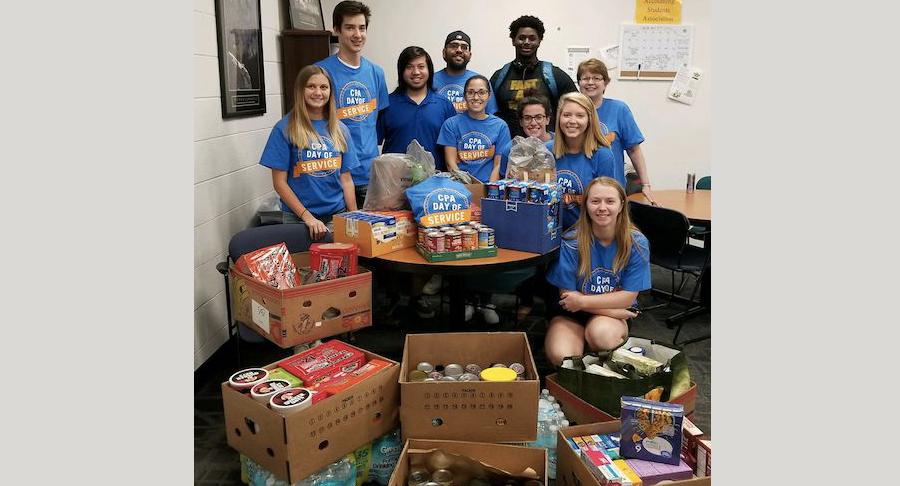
x=260, y=315
x=574, y=56
x=610, y=56
x=685, y=85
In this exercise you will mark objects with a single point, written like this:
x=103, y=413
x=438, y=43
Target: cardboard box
x=296, y=446
x=522, y=226
x=477, y=191
x=571, y=470
x=509, y=458
x=374, y=243
x=582, y=412
x=469, y=410
x=305, y=313
x=446, y=256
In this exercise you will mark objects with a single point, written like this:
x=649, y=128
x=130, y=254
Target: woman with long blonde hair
x=582, y=152
x=604, y=262
x=311, y=154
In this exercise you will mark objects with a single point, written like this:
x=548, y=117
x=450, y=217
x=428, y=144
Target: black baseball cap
x=458, y=35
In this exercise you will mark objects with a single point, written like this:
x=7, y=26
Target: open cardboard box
x=582, y=412
x=298, y=445
x=509, y=458
x=571, y=470
x=469, y=410
x=369, y=241
x=477, y=191
x=305, y=313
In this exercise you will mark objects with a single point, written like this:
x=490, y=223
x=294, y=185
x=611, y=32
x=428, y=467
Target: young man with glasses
x=526, y=71
x=449, y=82
x=360, y=90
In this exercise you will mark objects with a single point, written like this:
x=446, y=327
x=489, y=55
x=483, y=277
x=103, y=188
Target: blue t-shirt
x=476, y=142
x=635, y=277
x=405, y=120
x=313, y=173
x=623, y=132
x=451, y=87
x=360, y=93
x=573, y=173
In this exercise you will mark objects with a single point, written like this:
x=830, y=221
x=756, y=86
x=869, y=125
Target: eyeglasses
x=458, y=45
x=595, y=79
x=537, y=118
x=481, y=92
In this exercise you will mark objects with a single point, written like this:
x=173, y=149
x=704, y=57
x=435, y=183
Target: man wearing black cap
x=526, y=71
x=449, y=82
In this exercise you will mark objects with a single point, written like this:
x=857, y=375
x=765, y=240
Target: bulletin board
x=654, y=51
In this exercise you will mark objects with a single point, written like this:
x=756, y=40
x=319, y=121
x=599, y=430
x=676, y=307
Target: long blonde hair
x=593, y=137
x=585, y=235
x=300, y=128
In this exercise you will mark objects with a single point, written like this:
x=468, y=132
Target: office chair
x=666, y=231
x=500, y=283
x=697, y=231
x=297, y=239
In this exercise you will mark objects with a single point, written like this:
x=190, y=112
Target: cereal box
x=651, y=430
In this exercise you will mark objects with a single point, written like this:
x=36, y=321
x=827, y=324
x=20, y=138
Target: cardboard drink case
x=375, y=240
x=469, y=410
x=508, y=458
x=304, y=313
x=571, y=470
x=522, y=226
x=300, y=444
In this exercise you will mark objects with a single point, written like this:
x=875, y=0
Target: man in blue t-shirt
x=360, y=90
x=449, y=82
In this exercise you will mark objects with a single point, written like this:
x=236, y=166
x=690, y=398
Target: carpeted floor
x=215, y=463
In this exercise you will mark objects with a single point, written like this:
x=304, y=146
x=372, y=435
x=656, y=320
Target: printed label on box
x=260, y=315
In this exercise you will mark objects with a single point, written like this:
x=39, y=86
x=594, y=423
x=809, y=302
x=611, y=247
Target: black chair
x=699, y=232
x=297, y=239
x=667, y=232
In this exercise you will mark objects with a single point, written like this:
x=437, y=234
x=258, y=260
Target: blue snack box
x=651, y=430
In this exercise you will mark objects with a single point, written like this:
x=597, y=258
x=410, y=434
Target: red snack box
x=321, y=361
x=341, y=383
x=690, y=436
x=335, y=260
x=271, y=265
x=704, y=457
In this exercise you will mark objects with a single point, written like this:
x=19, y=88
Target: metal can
x=690, y=182
x=425, y=366
x=498, y=365
x=435, y=375
x=443, y=477
x=495, y=190
x=435, y=242
x=422, y=232
x=418, y=477
x=447, y=378
x=468, y=377
x=453, y=241
x=417, y=375
x=453, y=370
x=486, y=237
x=473, y=368
x=518, y=368
x=469, y=239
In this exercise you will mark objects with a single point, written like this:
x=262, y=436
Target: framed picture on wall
x=239, y=34
x=306, y=14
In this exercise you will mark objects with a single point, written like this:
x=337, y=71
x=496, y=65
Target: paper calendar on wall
x=654, y=51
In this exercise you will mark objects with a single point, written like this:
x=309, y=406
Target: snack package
x=392, y=174
x=333, y=260
x=385, y=453
x=271, y=265
x=440, y=200
x=321, y=361
x=651, y=430
x=530, y=155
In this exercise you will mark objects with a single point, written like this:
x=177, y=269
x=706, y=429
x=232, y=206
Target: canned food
x=518, y=368
x=469, y=239
x=435, y=375
x=453, y=241
x=473, y=368
x=468, y=377
x=495, y=190
x=447, y=378
x=418, y=477
x=453, y=370
x=497, y=365
x=417, y=375
x=422, y=232
x=443, y=477
x=425, y=366
x=486, y=237
x=435, y=242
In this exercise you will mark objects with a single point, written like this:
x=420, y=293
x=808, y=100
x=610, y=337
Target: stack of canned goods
x=523, y=191
x=426, y=371
x=456, y=237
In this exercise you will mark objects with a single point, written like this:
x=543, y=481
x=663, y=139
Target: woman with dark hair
x=415, y=110
x=534, y=115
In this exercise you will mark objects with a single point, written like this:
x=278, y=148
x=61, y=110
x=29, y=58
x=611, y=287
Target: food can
x=473, y=368
x=539, y=193
x=486, y=237
x=447, y=378
x=246, y=379
x=453, y=241
x=518, y=368
x=514, y=191
x=498, y=365
x=417, y=375
x=261, y=392
x=468, y=377
x=435, y=375
x=453, y=370
x=425, y=366
x=469, y=239
x=495, y=190
x=443, y=477
x=418, y=477
x=435, y=242
x=638, y=350
x=290, y=400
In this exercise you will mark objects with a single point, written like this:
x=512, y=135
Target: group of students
x=321, y=152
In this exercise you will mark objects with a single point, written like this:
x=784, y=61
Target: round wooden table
x=408, y=260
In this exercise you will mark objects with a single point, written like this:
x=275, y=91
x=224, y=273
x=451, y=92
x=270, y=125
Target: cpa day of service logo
x=355, y=102
x=601, y=281
x=474, y=147
x=319, y=160
x=453, y=93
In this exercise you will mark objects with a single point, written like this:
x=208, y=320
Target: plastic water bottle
x=550, y=442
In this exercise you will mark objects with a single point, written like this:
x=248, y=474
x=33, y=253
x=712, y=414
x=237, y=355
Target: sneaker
x=433, y=286
x=470, y=311
x=423, y=308
x=489, y=313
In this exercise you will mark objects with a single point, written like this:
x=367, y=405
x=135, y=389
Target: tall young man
x=359, y=87
x=449, y=82
x=526, y=71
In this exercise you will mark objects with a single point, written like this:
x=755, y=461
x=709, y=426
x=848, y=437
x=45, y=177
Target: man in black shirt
x=526, y=71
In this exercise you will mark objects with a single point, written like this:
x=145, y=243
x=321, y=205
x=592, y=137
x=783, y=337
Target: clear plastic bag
x=530, y=155
x=392, y=174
